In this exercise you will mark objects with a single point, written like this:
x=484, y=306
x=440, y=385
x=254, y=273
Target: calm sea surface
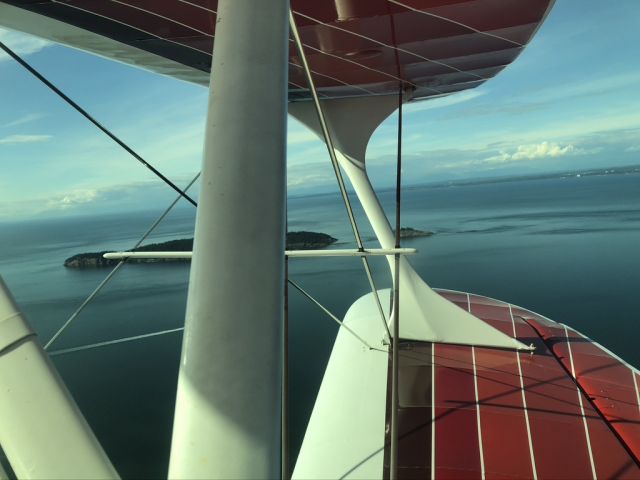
x=567, y=248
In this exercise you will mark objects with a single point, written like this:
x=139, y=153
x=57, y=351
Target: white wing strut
x=426, y=315
x=228, y=405
x=337, y=252
x=42, y=431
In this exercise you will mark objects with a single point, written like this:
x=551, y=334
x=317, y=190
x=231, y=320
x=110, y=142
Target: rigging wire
x=108, y=278
x=332, y=316
x=284, y=440
x=336, y=166
x=91, y=346
x=284, y=416
x=85, y=114
x=107, y=343
x=395, y=349
x=395, y=296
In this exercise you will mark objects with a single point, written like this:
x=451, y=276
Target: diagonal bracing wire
x=395, y=346
x=101, y=127
x=117, y=341
x=104, y=282
x=91, y=346
x=336, y=166
x=332, y=316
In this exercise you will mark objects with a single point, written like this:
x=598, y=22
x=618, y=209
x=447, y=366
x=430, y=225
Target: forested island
x=295, y=241
x=408, y=232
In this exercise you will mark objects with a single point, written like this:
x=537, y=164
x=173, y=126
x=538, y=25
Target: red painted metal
x=457, y=453
x=556, y=419
x=503, y=423
x=557, y=422
x=607, y=381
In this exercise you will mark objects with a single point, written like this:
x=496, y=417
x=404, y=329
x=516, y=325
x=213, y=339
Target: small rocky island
x=408, y=232
x=308, y=240
x=295, y=241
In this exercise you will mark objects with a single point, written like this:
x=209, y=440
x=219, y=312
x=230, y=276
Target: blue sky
x=570, y=101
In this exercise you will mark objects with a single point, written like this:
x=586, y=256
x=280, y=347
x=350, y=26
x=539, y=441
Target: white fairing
x=345, y=435
x=42, y=431
x=424, y=315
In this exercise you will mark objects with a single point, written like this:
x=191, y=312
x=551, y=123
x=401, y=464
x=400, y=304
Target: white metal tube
x=148, y=255
x=367, y=252
x=338, y=252
x=228, y=405
x=42, y=431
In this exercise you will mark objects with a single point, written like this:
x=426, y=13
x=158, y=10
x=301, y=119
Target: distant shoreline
x=618, y=171
x=463, y=182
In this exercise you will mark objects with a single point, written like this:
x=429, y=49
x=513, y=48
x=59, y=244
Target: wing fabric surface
x=354, y=47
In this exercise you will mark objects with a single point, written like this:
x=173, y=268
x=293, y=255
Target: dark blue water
x=564, y=247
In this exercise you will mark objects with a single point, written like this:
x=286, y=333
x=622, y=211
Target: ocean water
x=565, y=247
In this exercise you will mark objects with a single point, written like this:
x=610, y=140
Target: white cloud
x=28, y=118
x=534, y=151
x=297, y=137
x=16, y=139
x=310, y=175
x=312, y=180
x=72, y=199
x=633, y=148
x=87, y=199
x=510, y=155
x=459, y=164
x=21, y=43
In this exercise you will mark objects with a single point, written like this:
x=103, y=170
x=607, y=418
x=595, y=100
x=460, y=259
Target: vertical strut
x=229, y=402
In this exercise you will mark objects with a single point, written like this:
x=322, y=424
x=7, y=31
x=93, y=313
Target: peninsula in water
x=295, y=241
x=408, y=232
